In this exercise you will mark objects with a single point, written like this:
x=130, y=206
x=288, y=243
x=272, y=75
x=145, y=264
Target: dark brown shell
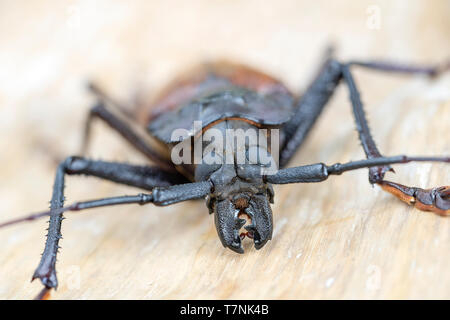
x=218, y=92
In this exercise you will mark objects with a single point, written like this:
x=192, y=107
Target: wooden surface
x=338, y=239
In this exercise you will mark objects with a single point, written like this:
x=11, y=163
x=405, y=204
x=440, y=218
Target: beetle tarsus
x=436, y=200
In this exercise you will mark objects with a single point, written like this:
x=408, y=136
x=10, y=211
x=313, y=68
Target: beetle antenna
x=160, y=196
x=380, y=161
x=319, y=171
x=141, y=198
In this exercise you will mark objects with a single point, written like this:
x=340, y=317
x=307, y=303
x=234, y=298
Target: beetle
x=225, y=96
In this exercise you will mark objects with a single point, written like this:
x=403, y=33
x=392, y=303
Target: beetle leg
x=436, y=200
x=370, y=148
x=142, y=177
x=101, y=112
x=309, y=108
x=310, y=105
x=103, y=96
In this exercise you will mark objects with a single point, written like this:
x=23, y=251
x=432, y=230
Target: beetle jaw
x=229, y=223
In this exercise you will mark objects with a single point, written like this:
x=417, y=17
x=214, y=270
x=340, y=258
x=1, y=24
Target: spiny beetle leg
x=436, y=200
x=138, y=176
x=99, y=111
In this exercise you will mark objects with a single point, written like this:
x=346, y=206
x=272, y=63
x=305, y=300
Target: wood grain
x=340, y=239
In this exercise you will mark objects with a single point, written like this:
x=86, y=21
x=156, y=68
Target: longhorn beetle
x=227, y=96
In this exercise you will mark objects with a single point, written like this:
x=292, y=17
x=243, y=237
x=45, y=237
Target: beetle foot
x=436, y=200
